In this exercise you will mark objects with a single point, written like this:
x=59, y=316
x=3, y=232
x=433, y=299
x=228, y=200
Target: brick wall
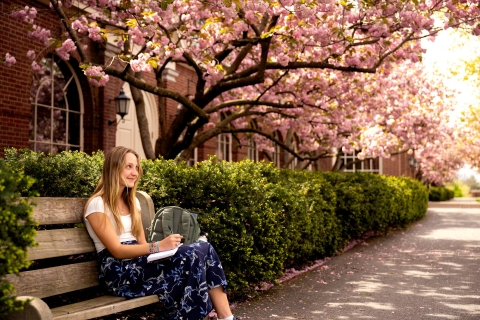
x=15, y=84
x=15, y=81
x=398, y=165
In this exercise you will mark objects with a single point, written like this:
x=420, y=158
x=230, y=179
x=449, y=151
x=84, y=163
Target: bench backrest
x=63, y=242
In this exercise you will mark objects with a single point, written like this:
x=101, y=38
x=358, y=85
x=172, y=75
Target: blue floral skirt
x=181, y=281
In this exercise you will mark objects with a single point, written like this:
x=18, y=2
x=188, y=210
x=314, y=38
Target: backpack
x=174, y=219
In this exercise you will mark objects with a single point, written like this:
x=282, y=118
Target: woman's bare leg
x=220, y=302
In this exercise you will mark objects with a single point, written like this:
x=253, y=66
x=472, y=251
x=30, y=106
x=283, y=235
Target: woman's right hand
x=172, y=241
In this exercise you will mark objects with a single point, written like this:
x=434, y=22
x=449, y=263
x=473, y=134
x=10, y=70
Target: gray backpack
x=174, y=219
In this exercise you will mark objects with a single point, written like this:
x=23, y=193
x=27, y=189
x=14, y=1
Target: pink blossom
x=31, y=54
x=164, y=40
x=283, y=59
x=9, y=60
x=67, y=3
x=210, y=125
x=80, y=24
x=141, y=64
x=137, y=36
x=37, y=68
x=27, y=15
x=40, y=34
x=96, y=76
x=95, y=34
x=65, y=49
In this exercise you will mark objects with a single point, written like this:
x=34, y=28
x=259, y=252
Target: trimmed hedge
x=260, y=219
x=17, y=232
x=67, y=174
x=440, y=194
x=232, y=202
x=306, y=203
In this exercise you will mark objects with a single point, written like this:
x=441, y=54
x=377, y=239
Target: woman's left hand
x=172, y=241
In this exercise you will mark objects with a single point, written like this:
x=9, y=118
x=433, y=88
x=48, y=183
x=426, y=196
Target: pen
x=171, y=232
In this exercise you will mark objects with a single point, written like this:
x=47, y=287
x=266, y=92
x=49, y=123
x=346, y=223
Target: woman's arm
x=104, y=230
x=141, y=238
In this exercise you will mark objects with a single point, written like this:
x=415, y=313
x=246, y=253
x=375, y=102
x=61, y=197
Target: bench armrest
x=36, y=309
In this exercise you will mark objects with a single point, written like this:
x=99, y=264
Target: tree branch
x=70, y=31
x=273, y=139
x=158, y=91
x=240, y=102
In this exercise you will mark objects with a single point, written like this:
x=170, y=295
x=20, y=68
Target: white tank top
x=97, y=205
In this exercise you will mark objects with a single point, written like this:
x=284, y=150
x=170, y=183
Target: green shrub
x=67, y=174
x=440, y=194
x=457, y=191
x=232, y=202
x=260, y=219
x=364, y=202
x=306, y=205
x=371, y=202
x=410, y=198
x=17, y=232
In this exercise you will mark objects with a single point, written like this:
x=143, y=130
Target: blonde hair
x=109, y=186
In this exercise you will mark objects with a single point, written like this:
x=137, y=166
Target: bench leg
x=34, y=310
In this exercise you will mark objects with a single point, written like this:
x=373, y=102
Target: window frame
x=35, y=143
x=224, y=146
x=360, y=167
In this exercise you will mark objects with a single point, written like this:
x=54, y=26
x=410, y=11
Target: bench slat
x=58, y=210
x=61, y=242
x=47, y=282
x=100, y=307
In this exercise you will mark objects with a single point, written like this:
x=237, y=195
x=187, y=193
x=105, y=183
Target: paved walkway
x=431, y=270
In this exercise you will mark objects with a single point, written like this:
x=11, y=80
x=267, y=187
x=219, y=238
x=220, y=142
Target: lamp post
x=122, y=104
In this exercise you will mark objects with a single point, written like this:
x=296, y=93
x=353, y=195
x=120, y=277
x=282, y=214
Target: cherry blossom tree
x=336, y=76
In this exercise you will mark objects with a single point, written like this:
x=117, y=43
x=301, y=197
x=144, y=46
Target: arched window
x=56, y=123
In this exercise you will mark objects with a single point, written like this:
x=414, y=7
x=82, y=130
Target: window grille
x=57, y=104
x=367, y=165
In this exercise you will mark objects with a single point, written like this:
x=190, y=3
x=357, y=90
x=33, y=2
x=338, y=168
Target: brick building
x=59, y=110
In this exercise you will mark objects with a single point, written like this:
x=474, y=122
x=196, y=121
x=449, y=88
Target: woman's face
x=130, y=172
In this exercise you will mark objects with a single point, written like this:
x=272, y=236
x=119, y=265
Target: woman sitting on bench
x=189, y=284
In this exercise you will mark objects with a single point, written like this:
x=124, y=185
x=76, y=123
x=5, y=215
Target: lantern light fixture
x=413, y=162
x=122, y=104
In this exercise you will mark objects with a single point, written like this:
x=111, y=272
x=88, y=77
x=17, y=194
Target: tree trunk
x=338, y=163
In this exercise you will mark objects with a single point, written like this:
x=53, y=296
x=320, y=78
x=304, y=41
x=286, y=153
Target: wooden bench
x=61, y=279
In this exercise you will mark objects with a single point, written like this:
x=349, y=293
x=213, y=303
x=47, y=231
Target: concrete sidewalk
x=431, y=270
